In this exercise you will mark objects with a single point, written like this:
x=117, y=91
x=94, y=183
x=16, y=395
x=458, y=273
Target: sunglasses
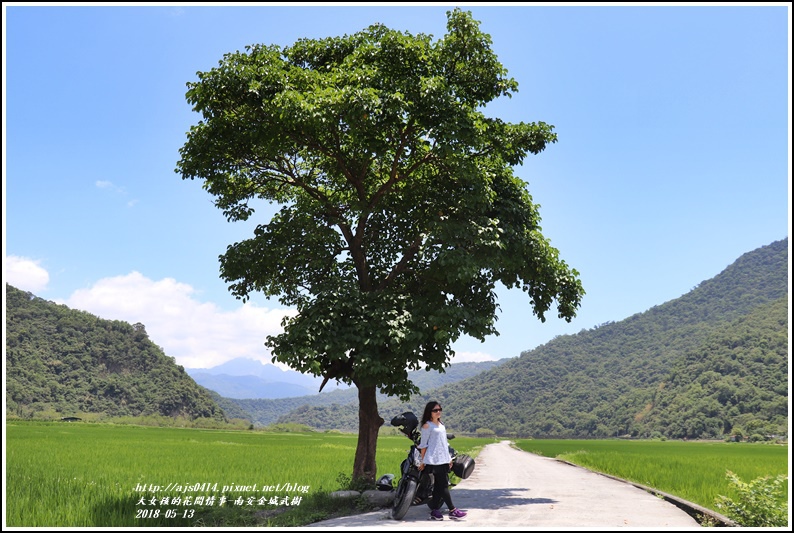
x=436, y=410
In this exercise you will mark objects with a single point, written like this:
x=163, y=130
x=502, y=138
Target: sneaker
x=435, y=514
x=457, y=513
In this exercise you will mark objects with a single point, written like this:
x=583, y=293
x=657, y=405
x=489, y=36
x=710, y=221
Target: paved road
x=512, y=489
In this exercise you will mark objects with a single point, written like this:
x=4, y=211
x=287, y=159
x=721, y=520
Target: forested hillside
x=739, y=377
x=711, y=362
x=267, y=411
x=61, y=361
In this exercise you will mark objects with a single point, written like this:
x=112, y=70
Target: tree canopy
x=400, y=210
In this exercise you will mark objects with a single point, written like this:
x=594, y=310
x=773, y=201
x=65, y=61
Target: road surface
x=511, y=489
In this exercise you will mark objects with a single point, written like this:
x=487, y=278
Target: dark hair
x=427, y=415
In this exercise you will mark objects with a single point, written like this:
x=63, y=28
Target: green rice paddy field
x=99, y=475
x=694, y=471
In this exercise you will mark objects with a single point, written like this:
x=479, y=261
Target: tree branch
x=402, y=265
x=394, y=175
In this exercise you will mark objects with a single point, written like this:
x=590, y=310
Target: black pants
x=441, y=486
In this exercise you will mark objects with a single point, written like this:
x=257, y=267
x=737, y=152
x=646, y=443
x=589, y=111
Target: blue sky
x=673, y=156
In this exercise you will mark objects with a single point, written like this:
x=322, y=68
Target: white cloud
x=25, y=274
x=472, y=357
x=109, y=185
x=197, y=334
x=105, y=184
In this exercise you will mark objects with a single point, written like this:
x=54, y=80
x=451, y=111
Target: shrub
x=359, y=485
x=762, y=502
x=290, y=427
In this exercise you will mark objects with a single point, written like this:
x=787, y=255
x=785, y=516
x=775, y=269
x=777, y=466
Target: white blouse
x=434, y=438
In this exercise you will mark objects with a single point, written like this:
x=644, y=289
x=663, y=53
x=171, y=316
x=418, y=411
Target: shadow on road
x=494, y=498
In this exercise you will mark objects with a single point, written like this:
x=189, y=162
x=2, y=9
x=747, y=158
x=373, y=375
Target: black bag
x=463, y=466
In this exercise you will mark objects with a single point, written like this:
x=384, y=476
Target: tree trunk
x=369, y=421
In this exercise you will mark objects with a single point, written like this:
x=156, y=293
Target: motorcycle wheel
x=404, y=498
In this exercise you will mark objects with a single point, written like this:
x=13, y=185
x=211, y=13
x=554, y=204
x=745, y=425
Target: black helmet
x=385, y=482
x=407, y=422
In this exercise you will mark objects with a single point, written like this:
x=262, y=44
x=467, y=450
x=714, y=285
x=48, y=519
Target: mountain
x=263, y=411
x=738, y=376
x=708, y=363
x=243, y=366
x=711, y=362
x=64, y=362
x=248, y=378
x=230, y=409
x=247, y=386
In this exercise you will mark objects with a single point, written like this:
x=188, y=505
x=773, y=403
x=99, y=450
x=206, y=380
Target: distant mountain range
x=248, y=378
x=267, y=411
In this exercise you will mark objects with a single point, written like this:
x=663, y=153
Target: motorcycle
x=416, y=486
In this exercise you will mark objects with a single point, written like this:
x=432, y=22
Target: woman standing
x=435, y=455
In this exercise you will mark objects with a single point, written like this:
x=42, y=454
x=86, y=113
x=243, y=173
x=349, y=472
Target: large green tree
x=399, y=209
